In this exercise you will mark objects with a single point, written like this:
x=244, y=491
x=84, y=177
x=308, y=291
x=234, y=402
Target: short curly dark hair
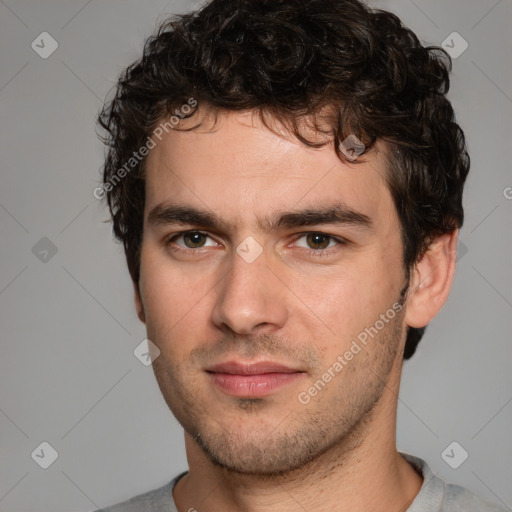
x=291, y=61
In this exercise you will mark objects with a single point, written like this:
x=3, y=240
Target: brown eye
x=194, y=239
x=187, y=242
x=318, y=244
x=318, y=240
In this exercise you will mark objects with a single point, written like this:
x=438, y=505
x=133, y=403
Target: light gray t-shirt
x=435, y=496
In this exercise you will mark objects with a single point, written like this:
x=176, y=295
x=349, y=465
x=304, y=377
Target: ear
x=431, y=280
x=139, y=307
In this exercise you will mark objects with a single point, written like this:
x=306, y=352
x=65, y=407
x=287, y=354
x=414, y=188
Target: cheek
x=354, y=299
x=172, y=295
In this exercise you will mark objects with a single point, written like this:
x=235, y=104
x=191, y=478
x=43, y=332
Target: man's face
x=262, y=285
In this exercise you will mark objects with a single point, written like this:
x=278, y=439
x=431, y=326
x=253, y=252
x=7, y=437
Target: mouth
x=252, y=380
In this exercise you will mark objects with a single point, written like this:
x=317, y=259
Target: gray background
x=67, y=369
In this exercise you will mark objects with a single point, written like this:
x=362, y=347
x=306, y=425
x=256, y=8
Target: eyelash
x=311, y=252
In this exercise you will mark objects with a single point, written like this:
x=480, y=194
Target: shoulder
x=157, y=500
x=436, y=495
x=459, y=499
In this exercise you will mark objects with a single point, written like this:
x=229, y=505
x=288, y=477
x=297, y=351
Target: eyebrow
x=338, y=213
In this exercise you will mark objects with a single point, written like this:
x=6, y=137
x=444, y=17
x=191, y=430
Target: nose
x=250, y=298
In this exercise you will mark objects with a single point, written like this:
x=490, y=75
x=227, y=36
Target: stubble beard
x=331, y=426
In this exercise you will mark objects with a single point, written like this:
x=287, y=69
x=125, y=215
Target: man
x=286, y=177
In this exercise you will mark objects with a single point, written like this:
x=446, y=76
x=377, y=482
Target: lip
x=252, y=380
x=259, y=368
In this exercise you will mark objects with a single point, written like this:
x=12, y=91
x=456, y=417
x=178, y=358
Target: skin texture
x=296, y=304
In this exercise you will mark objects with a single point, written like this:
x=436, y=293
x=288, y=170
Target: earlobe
x=431, y=280
x=139, y=307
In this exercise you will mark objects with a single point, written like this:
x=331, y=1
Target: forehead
x=239, y=168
